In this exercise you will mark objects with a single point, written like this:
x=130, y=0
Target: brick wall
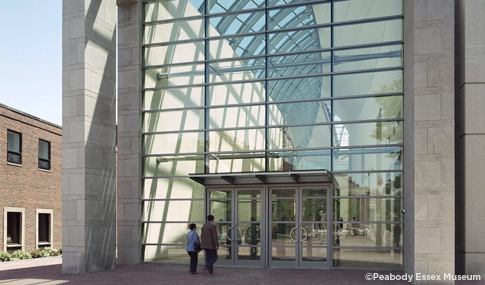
x=27, y=186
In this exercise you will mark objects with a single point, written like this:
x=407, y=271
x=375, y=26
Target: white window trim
x=22, y=234
x=51, y=238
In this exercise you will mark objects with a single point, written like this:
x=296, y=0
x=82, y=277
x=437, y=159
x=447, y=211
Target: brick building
x=30, y=182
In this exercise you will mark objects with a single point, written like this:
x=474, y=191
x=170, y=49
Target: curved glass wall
x=275, y=85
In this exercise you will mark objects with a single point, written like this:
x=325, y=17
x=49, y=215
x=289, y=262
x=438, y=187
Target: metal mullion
x=164, y=177
x=259, y=56
x=363, y=247
x=365, y=197
x=368, y=171
x=369, y=222
x=338, y=123
x=175, y=199
x=280, y=78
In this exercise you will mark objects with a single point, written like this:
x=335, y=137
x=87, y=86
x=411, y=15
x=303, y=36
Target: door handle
x=306, y=234
x=292, y=230
x=227, y=233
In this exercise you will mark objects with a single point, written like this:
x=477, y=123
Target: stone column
x=471, y=139
x=89, y=136
x=129, y=131
x=430, y=127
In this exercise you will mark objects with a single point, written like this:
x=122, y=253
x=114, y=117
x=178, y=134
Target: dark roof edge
x=30, y=116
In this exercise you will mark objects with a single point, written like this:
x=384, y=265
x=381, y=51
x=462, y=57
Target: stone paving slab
x=47, y=271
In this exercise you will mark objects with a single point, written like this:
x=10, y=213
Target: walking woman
x=193, y=248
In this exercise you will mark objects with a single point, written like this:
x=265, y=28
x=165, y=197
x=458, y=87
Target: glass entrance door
x=239, y=222
x=299, y=221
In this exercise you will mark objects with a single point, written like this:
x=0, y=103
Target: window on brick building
x=44, y=154
x=14, y=231
x=14, y=147
x=44, y=230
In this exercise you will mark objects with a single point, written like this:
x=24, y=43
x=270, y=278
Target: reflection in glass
x=249, y=193
x=172, y=188
x=291, y=113
x=368, y=235
x=237, y=70
x=314, y=210
x=280, y=234
x=316, y=234
x=174, y=143
x=314, y=254
x=238, y=46
x=368, y=58
x=299, y=40
x=241, y=23
x=368, y=83
x=299, y=160
x=220, y=194
x=236, y=140
x=368, y=33
x=251, y=233
x=224, y=233
x=173, y=53
x=359, y=159
x=368, y=258
x=390, y=132
x=369, y=184
x=172, y=98
x=314, y=192
x=299, y=137
x=167, y=9
x=249, y=210
x=224, y=252
x=249, y=253
x=299, y=16
x=349, y=10
x=221, y=6
x=283, y=193
x=237, y=117
x=386, y=107
x=299, y=88
x=283, y=209
x=237, y=93
x=166, y=253
x=220, y=209
x=237, y=162
x=368, y=210
x=283, y=253
x=174, y=76
x=172, y=165
x=173, y=211
x=166, y=121
x=298, y=64
x=171, y=233
x=174, y=31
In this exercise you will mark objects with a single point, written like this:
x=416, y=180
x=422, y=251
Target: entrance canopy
x=262, y=177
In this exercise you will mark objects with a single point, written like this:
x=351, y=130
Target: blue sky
x=31, y=57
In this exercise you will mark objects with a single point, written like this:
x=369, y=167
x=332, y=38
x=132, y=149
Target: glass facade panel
x=243, y=194
x=299, y=137
x=281, y=235
x=361, y=159
x=316, y=235
x=172, y=98
x=368, y=133
x=386, y=107
x=298, y=64
x=299, y=160
x=174, y=211
x=249, y=253
x=221, y=6
x=249, y=210
x=368, y=210
x=221, y=209
x=368, y=83
x=299, y=16
x=167, y=121
x=283, y=210
x=236, y=93
x=368, y=258
x=167, y=254
x=174, y=76
x=299, y=40
x=318, y=254
x=369, y=184
x=299, y=88
x=237, y=70
x=251, y=233
x=368, y=235
x=368, y=58
x=236, y=140
x=173, y=53
x=173, y=143
x=253, y=45
x=291, y=113
x=174, y=31
x=171, y=188
x=172, y=165
x=237, y=117
x=167, y=9
x=349, y=10
x=167, y=233
x=368, y=33
x=242, y=23
x=242, y=162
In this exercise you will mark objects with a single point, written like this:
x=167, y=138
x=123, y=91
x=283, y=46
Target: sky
x=31, y=57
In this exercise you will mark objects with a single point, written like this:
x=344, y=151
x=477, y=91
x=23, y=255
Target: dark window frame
x=13, y=152
x=41, y=160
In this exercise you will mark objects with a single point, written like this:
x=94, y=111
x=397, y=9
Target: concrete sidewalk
x=49, y=271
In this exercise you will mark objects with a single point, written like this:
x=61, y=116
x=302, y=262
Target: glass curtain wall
x=273, y=85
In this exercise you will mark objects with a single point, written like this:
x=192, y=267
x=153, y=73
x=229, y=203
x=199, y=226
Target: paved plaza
x=46, y=271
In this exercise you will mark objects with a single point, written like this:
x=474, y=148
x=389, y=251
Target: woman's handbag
x=197, y=247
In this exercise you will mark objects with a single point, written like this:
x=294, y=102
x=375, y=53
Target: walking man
x=209, y=243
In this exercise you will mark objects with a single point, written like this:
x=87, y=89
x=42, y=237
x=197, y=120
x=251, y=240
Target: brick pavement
x=48, y=271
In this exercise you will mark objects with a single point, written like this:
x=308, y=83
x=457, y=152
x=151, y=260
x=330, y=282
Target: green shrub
x=5, y=256
x=60, y=250
x=39, y=253
x=50, y=252
x=20, y=255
